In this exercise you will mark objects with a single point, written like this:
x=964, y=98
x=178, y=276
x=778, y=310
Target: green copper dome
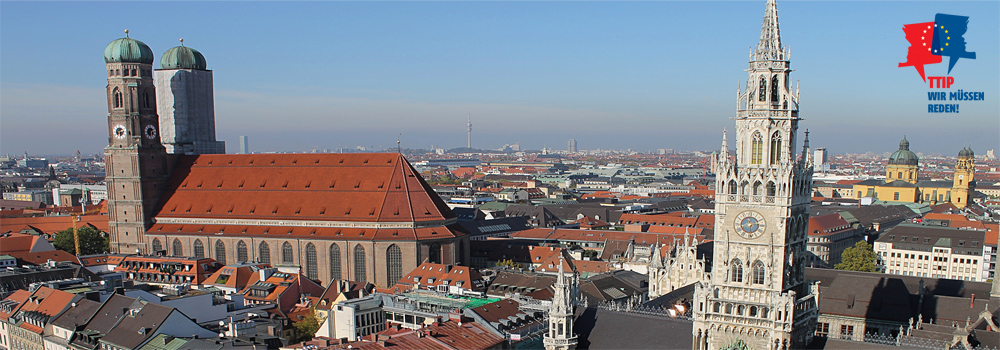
x=128, y=50
x=182, y=57
x=904, y=156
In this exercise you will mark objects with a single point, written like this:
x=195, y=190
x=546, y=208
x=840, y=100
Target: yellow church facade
x=902, y=183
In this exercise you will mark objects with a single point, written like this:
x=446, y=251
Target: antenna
x=399, y=148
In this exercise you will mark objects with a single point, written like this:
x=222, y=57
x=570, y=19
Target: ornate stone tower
x=903, y=164
x=560, y=335
x=680, y=268
x=757, y=296
x=136, y=164
x=186, y=103
x=965, y=173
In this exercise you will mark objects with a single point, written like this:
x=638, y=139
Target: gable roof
x=362, y=187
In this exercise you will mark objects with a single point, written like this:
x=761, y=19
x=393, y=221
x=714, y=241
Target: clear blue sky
x=295, y=76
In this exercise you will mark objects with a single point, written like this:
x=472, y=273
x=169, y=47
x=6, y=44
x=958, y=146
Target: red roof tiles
x=363, y=187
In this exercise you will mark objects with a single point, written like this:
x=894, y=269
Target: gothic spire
x=724, y=152
x=769, y=47
x=806, y=159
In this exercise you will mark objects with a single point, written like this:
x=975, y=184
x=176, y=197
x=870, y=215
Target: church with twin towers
x=366, y=217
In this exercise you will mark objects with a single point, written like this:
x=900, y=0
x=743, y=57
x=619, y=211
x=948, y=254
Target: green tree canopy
x=860, y=257
x=91, y=241
x=305, y=328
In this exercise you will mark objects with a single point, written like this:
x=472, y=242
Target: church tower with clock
x=136, y=163
x=757, y=296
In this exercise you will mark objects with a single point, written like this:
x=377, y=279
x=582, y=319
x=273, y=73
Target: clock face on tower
x=749, y=224
x=150, y=132
x=120, y=131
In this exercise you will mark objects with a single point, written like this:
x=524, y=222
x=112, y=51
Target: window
x=771, y=190
x=286, y=253
x=394, y=256
x=156, y=245
x=756, y=188
x=732, y=186
x=220, y=252
x=757, y=147
x=758, y=272
x=241, y=252
x=116, y=96
x=762, y=90
x=822, y=329
x=265, y=253
x=178, y=248
x=775, y=148
x=895, y=196
x=737, y=271
x=434, y=253
x=199, y=249
x=846, y=331
x=774, y=89
x=311, y=268
x=360, y=274
x=334, y=262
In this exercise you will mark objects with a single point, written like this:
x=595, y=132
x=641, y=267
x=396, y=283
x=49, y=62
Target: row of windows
x=394, y=257
x=927, y=257
x=757, y=148
x=145, y=100
x=129, y=73
x=736, y=272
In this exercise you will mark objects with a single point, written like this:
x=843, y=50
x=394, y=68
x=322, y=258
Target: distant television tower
x=470, y=131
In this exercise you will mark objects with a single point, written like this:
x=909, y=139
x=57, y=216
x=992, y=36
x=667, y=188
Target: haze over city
x=639, y=75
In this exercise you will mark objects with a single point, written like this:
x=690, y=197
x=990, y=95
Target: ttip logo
x=930, y=41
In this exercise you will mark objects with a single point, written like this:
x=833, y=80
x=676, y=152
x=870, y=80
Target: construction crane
x=76, y=219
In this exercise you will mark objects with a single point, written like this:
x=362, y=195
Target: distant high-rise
x=470, y=131
x=244, y=146
x=572, y=146
x=819, y=158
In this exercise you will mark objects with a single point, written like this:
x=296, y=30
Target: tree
x=860, y=257
x=91, y=241
x=305, y=328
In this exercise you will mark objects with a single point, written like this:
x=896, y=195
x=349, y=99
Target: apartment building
x=924, y=250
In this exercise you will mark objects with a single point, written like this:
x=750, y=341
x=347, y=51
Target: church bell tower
x=136, y=163
x=757, y=296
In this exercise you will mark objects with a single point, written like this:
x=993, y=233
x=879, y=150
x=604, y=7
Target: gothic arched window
x=394, y=268
x=762, y=90
x=241, y=252
x=265, y=253
x=220, y=252
x=334, y=262
x=199, y=249
x=360, y=274
x=756, y=188
x=434, y=253
x=156, y=245
x=732, y=187
x=286, y=253
x=178, y=248
x=116, y=96
x=758, y=272
x=736, y=271
x=771, y=189
x=757, y=148
x=774, y=89
x=775, y=148
x=311, y=270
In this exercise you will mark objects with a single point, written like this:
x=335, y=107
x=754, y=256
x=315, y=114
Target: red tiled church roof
x=363, y=187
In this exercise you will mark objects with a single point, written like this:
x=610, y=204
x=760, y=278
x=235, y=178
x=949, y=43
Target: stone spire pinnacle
x=724, y=152
x=769, y=47
x=806, y=159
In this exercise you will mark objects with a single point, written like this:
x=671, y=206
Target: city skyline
x=346, y=74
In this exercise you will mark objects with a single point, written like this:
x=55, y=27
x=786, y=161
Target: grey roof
x=921, y=237
x=77, y=314
x=135, y=328
x=105, y=318
x=488, y=227
x=601, y=329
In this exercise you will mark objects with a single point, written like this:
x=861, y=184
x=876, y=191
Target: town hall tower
x=757, y=296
